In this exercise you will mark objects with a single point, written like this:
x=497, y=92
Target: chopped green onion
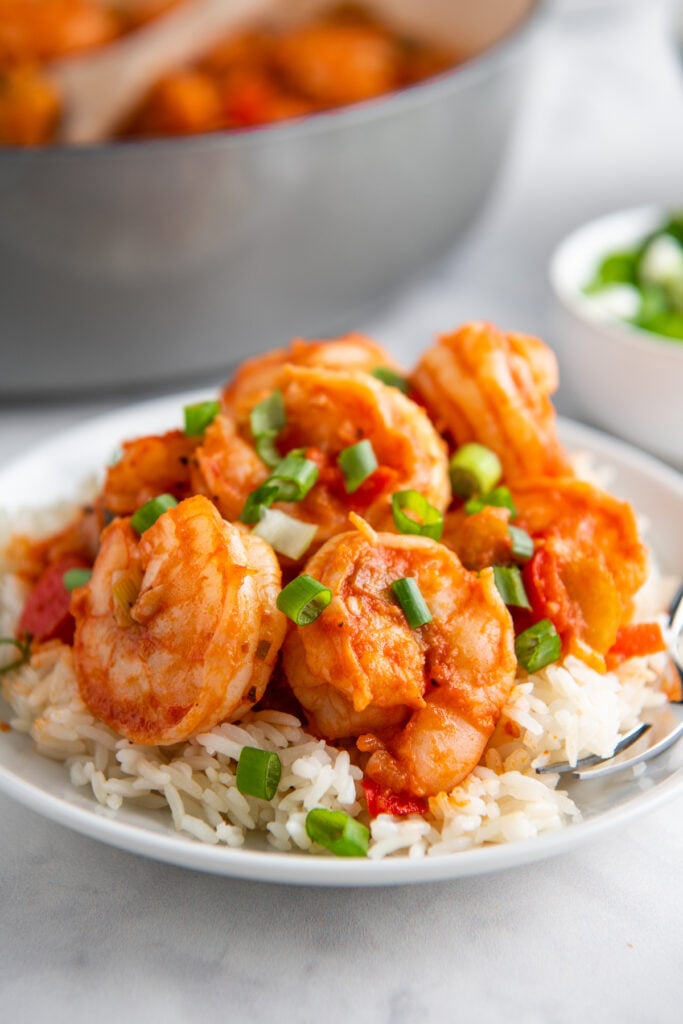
x=415, y=609
x=24, y=648
x=499, y=497
x=73, y=578
x=266, y=450
x=511, y=586
x=522, y=544
x=390, y=377
x=199, y=416
x=303, y=600
x=429, y=522
x=258, y=502
x=357, y=463
x=286, y=535
x=617, y=268
x=291, y=480
x=268, y=414
x=258, y=772
x=473, y=469
x=148, y=513
x=266, y=420
x=538, y=646
x=295, y=475
x=337, y=832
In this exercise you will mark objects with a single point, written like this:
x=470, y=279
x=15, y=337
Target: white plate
x=52, y=471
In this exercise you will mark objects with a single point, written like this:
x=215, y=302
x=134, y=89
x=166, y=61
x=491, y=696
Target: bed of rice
x=564, y=712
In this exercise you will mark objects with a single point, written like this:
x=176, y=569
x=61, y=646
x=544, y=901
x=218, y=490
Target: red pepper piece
x=636, y=640
x=381, y=800
x=46, y=614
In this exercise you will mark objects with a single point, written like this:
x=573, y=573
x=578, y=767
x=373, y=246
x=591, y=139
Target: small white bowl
x=614, y=375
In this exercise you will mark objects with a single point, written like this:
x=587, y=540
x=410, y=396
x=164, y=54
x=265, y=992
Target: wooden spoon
x=99, y=89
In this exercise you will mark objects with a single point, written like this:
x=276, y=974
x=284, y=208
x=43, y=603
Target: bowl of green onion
x=618, y=287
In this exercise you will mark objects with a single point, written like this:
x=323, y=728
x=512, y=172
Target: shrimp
x=256, y=378
x=326, y=412
x=177, y=629
x=226, y=468
x=148, y=466
x=423, y=702
x=589, y=560
x=334, y=63
x=480, y=384
x=481, y=539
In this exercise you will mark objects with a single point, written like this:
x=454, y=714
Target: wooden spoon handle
x=99, y=89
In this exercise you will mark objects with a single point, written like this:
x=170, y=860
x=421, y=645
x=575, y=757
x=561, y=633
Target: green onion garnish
x=286, y=535
x=295, y=475
x=24, y=648
x=266, y=420
x=337, y=832
x=148, y=513
x=407, y=593
x=499, y=497
x=268, y=415
x=357, y=463
x=73, y=578
x=538, y=646
x=291, y=480
x=390, y=377
x=199, y=416
x=522, y=544
x=429, y=522
x=258, y=502
x=510, y=586
x=473, y=469
x=258, y=773
x=267, y=450
x=303, y=600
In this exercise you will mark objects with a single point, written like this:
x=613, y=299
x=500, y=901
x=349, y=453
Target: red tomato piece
x=46, y=614
x=636, y=640
x=381, y=800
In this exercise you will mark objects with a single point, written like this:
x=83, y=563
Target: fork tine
x=563, y=767
x=676, y=626
x=668, y=735
x=595, y=766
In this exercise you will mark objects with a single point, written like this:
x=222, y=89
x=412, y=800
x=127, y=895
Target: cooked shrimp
x=334, y=63
x=32, y=32
x=479, y=540
x=256, y=378
x=177, y=629
x=480, y=384
x=326, y=412
x=148, y=466
x=589, y=560
x=423, y=701
x=226, y=468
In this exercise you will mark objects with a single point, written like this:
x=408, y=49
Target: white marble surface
x=88, y=933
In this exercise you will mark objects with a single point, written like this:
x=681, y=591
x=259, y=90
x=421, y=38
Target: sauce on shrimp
x=482, y=384
x=177, y=629
x=422, y=702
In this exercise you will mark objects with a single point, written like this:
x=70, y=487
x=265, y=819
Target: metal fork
x=661, y=728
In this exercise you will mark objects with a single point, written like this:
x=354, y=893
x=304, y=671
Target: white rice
x=564, y=712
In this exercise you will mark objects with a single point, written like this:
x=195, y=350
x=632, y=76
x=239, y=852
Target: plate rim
x=301, y=868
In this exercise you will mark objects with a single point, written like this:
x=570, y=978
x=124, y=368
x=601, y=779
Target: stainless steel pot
x=134, y=263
